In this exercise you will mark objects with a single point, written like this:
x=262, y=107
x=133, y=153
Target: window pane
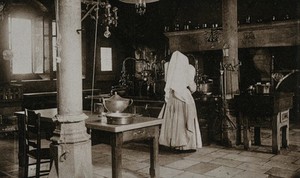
x=54, y=48
x=21, y=45
x=38, y=55
x=106, y=59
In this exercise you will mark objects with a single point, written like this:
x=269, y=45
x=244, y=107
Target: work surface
x=95, y=122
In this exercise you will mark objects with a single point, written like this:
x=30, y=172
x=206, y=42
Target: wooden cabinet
x=278, y=33
x=10, y=102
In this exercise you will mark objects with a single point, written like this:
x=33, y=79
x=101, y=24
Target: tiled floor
x=210, y=161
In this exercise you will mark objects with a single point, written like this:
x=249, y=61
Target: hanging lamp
x=140, y=5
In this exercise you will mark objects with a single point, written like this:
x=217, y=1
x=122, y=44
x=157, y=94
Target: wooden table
x=115, y=135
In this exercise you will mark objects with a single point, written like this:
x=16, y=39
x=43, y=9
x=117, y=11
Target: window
x=30, y=41
x=54, y=51
x=21, y=45
x=106, y=59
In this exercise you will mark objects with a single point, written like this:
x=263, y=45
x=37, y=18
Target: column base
x=72, y=160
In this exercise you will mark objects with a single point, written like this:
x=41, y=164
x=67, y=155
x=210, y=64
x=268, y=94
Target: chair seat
x=44, y=153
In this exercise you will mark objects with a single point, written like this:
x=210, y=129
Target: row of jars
x=191, y=26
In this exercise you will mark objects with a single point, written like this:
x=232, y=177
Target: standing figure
x=180, y=128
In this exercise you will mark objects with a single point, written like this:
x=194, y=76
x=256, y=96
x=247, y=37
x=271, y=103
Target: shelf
x=273, y=34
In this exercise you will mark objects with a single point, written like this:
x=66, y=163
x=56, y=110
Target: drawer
x=138, y=134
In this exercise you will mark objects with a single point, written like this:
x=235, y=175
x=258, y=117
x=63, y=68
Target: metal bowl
x=119, y=118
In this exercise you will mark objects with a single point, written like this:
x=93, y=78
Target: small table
x=114, y=135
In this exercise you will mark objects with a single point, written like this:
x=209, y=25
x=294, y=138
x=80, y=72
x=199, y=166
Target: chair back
x=34, y=148
x=32, y=130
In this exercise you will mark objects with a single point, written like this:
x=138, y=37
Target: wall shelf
x=272, y=34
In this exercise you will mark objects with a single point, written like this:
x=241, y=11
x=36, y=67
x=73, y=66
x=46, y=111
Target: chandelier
x=109, y=16
x=140, y=5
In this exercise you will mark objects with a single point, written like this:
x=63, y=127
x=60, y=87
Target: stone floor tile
x=283, y=165
x=200, y=158
x=191, y=175
x=250, y=174
x=135, y=155
x=254, y=167
x=106, y=172
x=264, y=149
x=231, y=150
x=243, y=158
x=164, y=171
x=218, y=154
x=102, y=160
x=134, y=165
x=226, y=162
x=166, y=159
x=297, y=162
x=257, y=154
x=206, y=150
x=202, y=168
x=182, y=164
x=223, y=172
x=279, y=172
x=101, y=148
x=284, y=158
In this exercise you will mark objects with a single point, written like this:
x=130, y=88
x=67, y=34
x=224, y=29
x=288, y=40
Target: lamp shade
x=137, y=1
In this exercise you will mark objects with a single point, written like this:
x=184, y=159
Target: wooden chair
x=35, y=153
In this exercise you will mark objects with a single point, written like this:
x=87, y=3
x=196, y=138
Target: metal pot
x=116, y=103
x=119, y=118
x=262, y=88
x=205, y=87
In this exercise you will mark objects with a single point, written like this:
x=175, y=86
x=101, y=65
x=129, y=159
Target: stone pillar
x=231, y=68
x=71, y=145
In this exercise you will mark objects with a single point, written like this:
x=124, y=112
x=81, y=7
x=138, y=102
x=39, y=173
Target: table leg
x=285, y=135
x=275, y=135
x=154, y=166
x=246, y=133
x=116, y=154
x=257, y=140
x=22, y=144
x=239, y=130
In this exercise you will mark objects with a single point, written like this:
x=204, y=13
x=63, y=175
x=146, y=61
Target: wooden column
x=71, y=145
x=230, y=66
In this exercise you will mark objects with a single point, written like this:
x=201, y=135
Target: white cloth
x=177, y=78
x=180, y=127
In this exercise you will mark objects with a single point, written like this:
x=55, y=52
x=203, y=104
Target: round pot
x=119, y=118
x=116, y=103
x=205, y=88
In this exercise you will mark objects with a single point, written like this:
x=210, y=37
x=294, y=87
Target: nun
x=180, y=128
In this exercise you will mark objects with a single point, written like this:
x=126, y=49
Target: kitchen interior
x=247, y=77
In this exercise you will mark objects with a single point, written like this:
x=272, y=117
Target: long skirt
x=180, y=127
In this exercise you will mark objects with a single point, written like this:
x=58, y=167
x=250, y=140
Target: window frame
x=44, y=18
